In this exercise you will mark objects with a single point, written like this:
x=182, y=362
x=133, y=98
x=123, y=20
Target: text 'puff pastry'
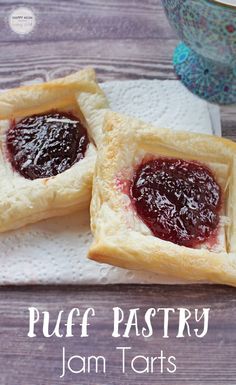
x=47, y=148
x=164, y=201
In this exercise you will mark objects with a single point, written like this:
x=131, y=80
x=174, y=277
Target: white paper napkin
x=54, y=251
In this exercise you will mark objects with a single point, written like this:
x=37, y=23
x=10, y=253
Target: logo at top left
x=22, y=20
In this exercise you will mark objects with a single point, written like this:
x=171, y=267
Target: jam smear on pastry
x=178, y=200
x=41, y=146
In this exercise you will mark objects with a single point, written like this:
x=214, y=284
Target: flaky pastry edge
x=25, y=201
x=116, y=244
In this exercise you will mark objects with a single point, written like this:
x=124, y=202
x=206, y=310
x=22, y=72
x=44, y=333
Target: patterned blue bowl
x=205, y=60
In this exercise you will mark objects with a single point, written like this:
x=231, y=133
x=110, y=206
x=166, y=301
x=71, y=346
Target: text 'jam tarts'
x=47, y=148
x=164, y=201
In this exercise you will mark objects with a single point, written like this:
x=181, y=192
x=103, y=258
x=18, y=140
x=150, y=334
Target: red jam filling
x=178, y=200
x=41, y=146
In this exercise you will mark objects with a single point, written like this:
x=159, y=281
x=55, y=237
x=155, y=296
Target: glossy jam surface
x=41, y=146
x=178, y=200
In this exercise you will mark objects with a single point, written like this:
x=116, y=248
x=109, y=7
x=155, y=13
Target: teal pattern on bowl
x=205, y=60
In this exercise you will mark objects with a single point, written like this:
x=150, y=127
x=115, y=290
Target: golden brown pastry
x=165, y=201
x=47, y=148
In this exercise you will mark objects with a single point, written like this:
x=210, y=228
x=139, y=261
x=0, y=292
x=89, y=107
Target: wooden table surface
x=122, y=40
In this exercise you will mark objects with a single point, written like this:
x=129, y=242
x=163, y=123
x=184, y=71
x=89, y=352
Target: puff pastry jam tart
x=164, y=201
x=48, y=138
x=41, y=146
x=177, y=199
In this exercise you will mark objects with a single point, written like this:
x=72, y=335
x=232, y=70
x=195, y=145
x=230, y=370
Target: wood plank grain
x=207, y=361
x=90, y=20
x=127, y=59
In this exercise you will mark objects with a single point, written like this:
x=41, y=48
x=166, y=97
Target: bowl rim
x=221, y=4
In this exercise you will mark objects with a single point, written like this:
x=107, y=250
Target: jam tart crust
x=24, y=201
x=122, y=239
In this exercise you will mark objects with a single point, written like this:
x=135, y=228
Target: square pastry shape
x=26, y=201
x=121, y=238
